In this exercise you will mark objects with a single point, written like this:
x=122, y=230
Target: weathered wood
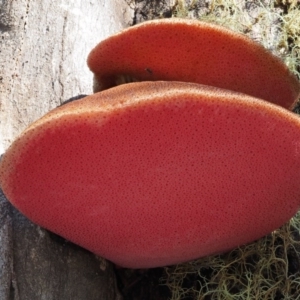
x=44, y=46
x=43, y=50
x=36, y=264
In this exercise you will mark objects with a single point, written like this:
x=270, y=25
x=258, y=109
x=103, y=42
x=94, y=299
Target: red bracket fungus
x=192, y=51
x=155, y=173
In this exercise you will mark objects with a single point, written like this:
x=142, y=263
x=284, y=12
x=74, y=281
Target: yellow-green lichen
x=267, y=269
x=274, y=24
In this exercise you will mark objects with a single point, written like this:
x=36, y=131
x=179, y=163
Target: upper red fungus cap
x=192, y=51
x=157, y=173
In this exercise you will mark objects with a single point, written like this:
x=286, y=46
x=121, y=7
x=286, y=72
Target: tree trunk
x=44, y=46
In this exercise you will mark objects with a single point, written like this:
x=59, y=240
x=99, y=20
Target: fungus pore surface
x=156, y=173
x=192, y=51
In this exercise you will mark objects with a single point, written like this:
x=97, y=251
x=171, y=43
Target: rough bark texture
x=43, y=50
x=44, y=46
x=36, y=264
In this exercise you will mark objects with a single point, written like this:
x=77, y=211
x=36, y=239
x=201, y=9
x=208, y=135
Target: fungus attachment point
x=192, y=51
x=156, y=173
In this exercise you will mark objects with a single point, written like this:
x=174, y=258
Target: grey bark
x=43, y=50
x=44, y=46
x=35, y=264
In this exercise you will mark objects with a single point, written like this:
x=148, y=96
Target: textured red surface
x=157, y=173
x=193, y=51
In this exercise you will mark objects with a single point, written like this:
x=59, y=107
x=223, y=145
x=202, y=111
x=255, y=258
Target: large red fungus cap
x=192, y=51
x=157, y=173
